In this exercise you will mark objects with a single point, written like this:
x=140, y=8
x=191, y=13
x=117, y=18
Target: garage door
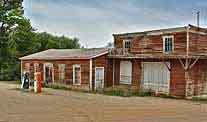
x=155, y=76
x=125, y=72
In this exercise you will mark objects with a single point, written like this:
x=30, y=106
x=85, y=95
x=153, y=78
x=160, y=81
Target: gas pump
x=37, y=82
x=25, y=81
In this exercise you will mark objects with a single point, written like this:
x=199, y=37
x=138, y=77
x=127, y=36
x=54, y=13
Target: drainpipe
x=113, y=72
x=90, y=77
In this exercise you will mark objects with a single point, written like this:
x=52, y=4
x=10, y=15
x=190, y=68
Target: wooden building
x=84, y=68
x=171, y=61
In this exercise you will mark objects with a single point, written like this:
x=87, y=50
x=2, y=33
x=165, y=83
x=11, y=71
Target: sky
x=94, y=21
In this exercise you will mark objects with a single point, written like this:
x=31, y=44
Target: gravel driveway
x=67, y=106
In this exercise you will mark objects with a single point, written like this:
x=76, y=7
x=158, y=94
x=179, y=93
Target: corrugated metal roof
x=58, y=54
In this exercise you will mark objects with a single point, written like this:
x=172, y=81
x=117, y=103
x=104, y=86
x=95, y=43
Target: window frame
x=124, y=43
x=164, y=41
x=76, y=66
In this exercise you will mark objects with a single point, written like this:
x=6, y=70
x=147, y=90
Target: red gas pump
x=38, y=82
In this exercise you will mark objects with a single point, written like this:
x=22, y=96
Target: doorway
x=99, y=78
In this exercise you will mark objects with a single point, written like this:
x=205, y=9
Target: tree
x=11, y=20
x=18, y=38
x=109, y=45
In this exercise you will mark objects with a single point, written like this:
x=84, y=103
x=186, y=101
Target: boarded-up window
x=144, y=42
x=125, y=72
x=27, y=67
x=76, y=74
x=61, y=70
x=36, y=67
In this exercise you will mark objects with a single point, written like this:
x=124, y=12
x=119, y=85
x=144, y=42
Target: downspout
x=113, y=72
x=90, y=75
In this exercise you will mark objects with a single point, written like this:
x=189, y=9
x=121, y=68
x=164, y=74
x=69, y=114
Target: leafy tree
x=11, y=20
x=18, y=38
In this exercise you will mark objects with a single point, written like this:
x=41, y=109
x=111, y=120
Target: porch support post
x=90, y=74
x=195, y=61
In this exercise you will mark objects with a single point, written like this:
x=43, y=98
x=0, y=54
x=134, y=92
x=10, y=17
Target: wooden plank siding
x=152, y=44
x=198, y=43
x=101, y=61
x=68, y=69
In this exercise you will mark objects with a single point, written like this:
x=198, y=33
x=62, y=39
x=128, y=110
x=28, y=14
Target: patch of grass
x=57, y=86
x=126, y=93
x=199, y=99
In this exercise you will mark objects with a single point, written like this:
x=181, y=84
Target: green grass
x=126, y=93
x=57, y=86
x=199, y=99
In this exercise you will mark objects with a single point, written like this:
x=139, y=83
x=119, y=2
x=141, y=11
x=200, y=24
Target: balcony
x=120, y=52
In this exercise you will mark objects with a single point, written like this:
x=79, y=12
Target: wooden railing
x=120, y=51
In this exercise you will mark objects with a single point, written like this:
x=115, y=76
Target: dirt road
x=67, y=106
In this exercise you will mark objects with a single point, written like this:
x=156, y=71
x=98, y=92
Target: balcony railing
x=120, y=51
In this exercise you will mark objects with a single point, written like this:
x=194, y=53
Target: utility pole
x=198, y=18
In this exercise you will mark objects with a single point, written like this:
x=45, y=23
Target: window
x=127, y=44
x=125, y=72
x=61, y=71
x=76, y=74
x=168, y=44
x=27, y=67
x=36, y=67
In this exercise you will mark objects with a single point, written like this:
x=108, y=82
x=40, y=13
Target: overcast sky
x=94, y=21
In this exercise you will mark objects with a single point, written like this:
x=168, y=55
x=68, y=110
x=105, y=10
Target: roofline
x=74, y=58
x=161, y=31
x=151, y=31
x=34, y=53
x=106, y=52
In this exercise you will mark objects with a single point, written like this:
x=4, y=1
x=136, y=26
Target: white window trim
x=74, y=66
x=163, y=39
x=126, y=40
x=103, y=76
x=48, y=64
